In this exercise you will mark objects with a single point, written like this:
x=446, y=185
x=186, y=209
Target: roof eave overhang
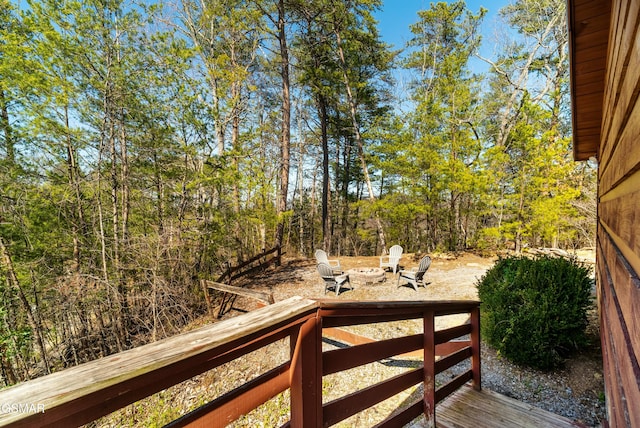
x=589, y=23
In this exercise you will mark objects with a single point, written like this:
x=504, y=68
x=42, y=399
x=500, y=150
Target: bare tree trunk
x=115, y=233
x=6, y=128
x=314, y=211
x=119, y=186
x=326, y=189
x=6, y=368
x=124, y=225
x=346, y=178
x=235, y=143
x=285, y=142
x=5, y=257
x=100, y=209
x=124, y=182
x=159, y=194
x=301, y=219
x=358, y=137
x=79, y=225
x=10, y=367
x=108, y=142
x=518, y=238
x=507, y=123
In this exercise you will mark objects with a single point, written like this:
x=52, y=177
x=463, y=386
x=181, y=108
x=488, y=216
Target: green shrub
x=534, y=311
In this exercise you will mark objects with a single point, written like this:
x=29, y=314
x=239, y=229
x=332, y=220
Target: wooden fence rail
x=255, y=264
x=81, y=394
x=210, y=286
x=247, y=267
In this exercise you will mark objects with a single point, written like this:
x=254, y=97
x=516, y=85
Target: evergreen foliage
x=534, y=311
x=144, y=145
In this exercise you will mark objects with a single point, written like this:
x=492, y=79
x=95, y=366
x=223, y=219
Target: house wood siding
x=618, y=153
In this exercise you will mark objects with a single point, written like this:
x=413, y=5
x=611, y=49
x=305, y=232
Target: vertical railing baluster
x=429, y=367
x=306, y=375
x=475, y=347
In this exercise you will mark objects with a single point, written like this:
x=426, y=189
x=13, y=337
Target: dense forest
x=145, y=145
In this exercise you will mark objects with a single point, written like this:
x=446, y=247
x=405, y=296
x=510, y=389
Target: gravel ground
x=563, y=392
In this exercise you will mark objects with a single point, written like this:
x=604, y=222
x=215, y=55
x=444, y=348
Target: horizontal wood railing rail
x=335, y=314
x=87, y=392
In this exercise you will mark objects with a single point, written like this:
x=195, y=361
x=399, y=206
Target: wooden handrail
x=87, y=392
x=81, y=394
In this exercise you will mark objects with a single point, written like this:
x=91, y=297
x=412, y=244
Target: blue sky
x=396, y=16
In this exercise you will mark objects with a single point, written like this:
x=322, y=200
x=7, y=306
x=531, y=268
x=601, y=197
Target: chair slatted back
x=422, y=267
x=321, y=256
x=395, y=251
x=326, y=272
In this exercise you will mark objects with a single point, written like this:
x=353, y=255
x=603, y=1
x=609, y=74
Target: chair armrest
x=408, y=273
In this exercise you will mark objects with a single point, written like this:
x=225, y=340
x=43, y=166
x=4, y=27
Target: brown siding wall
x=619, y=218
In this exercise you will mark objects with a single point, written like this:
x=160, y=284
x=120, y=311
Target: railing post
x=429, y=399
x=306, y=375
x=475, y=347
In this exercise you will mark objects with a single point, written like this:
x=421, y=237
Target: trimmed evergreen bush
x=534, y=311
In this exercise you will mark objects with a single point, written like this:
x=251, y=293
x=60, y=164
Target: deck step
x=468, y=408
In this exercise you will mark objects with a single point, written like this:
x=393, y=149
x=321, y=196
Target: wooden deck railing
x=87, y=392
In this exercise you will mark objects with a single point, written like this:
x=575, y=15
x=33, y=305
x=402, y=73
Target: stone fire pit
x=367, y=275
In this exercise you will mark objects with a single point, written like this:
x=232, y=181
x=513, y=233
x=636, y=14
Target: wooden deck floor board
x=467, y=408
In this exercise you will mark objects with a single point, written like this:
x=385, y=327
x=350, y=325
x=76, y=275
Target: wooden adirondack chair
x=321, y=257
x=415, y=277
x=392, y=259
x=331, y=279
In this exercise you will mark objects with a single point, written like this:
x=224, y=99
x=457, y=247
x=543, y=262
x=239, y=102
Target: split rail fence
x=229, y=293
